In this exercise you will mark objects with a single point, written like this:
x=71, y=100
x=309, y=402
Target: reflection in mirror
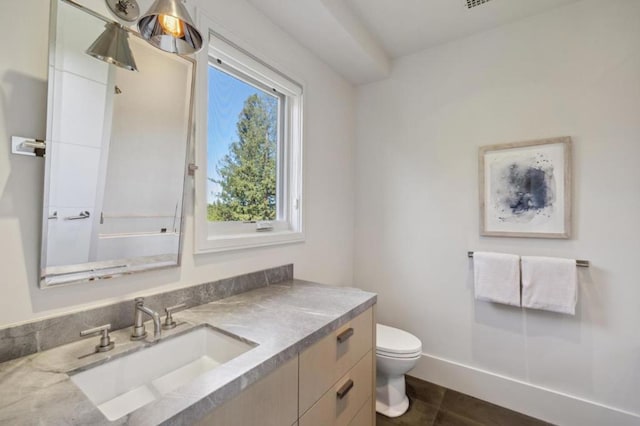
x=116, y=154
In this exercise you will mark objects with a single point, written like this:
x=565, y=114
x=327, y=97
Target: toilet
x=397, y=352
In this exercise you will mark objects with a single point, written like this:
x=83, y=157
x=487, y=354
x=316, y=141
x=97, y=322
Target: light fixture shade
x=181, y=36
x=112, y=46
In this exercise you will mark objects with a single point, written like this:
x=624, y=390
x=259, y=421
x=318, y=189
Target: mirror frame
x=107, y=269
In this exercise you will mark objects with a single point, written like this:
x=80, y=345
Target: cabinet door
x=326, y=361
x=343, y=401
x=272, y=401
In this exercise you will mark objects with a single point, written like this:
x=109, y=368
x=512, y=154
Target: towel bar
x=581, y=263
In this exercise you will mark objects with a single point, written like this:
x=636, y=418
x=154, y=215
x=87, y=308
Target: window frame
x=233, y=59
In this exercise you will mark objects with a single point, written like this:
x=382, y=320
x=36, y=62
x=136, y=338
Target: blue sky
x=226, y=99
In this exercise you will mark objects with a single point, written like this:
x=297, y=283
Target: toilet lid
x=395, y=341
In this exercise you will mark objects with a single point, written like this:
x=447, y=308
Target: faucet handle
x=169, y=323
x=105, y=340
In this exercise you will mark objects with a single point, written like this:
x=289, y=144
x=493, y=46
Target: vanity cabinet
x=272, y=401
x=331, y=383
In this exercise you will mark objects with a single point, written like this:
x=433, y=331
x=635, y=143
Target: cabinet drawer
x=340, y=404
x=325, y=362
x=364, y=416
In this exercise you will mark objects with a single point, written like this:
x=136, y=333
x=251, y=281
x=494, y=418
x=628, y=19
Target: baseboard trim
x=536, y=401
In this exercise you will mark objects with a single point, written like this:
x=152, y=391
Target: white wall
x=327, y=254
x=573, y=71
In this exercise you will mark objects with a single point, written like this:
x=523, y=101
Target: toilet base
x=393, y=411
x=391, y=398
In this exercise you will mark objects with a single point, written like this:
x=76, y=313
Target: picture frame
x=526, y=189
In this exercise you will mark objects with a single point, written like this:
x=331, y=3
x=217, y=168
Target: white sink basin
x=127, y=383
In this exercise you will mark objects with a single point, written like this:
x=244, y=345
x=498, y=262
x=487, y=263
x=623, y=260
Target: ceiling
x=360, y=38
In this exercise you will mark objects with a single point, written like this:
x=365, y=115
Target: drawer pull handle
x=345, y=335
x=344, y=390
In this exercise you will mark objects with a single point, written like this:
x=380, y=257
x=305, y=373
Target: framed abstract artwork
x=525, y=189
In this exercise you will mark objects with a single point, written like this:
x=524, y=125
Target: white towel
x=497, y=277
x=549, y=283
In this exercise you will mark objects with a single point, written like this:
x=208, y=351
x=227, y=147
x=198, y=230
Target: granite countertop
x=283, y=319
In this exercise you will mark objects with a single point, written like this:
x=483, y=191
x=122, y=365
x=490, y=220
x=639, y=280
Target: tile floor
x=433, y=405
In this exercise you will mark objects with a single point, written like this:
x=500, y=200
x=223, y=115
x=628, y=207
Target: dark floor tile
x=383, y=421
x=424, y=391
x=484, y=412
x=418, y=414
x=446, y=418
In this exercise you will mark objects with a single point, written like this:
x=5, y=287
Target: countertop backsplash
x=40, y=335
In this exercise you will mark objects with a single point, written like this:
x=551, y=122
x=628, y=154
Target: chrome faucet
x=139, y=332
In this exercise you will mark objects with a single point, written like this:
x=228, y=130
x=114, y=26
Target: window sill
x=247, y=241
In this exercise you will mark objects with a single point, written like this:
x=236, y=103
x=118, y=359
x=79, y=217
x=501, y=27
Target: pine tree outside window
x=243, y=141
x=249, y=153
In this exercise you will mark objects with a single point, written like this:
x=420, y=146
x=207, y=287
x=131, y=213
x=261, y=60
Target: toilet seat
x=395, y=343
x=398, y=356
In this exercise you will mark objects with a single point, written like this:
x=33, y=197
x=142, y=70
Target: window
x=249, y=153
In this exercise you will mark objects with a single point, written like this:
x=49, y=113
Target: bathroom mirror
x=116, y=155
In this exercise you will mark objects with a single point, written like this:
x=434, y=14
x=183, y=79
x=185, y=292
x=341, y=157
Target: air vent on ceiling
x=474, y=3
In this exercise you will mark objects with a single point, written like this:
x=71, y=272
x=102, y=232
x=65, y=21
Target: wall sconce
x=112, y=46
x=168, y=26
